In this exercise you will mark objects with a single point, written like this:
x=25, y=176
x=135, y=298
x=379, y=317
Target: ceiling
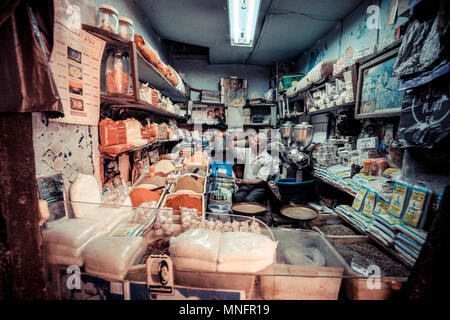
x=285, y=28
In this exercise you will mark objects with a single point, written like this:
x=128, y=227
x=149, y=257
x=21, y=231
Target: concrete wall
x=351, y=32
x=201, y=75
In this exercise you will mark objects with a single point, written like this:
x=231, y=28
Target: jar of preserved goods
x=126, y=29
x=374, y=168
x=107, y=18
x=117, y=76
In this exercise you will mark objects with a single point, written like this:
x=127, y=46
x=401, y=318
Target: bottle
x=374, y=168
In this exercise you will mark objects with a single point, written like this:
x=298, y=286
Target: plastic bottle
x=382, y=165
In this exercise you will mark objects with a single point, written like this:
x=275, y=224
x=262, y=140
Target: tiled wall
x=64, y=148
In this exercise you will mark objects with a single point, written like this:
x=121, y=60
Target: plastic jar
x=374, y=168
x=107, y=18
x=366, y=170
x=117, y=76
x=126, y=29
x=382, y=165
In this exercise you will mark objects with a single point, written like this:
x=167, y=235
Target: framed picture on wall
x=377, y=91
x=234, y=92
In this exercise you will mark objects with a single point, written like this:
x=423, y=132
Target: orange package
x=111, y=132
x=171, y=75
x=140, y=195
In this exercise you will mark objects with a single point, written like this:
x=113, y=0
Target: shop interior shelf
x=127, y=101
x=148, y=73
x=332, y=109
x=335, y=185
x=153, y=143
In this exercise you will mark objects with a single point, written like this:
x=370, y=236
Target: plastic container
x=117, y=76
x=301, y=281
x=291, y=190
x=107, y=18
x=382, y=165
x=374, y=168
x=366, y=169
x=126, y=29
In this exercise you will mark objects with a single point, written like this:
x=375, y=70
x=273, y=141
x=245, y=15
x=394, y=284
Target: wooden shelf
x=153, y=143
x=128, y=101
x=143, y=70
x=378, y=115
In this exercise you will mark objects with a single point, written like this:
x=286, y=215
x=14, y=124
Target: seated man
x=259, y=166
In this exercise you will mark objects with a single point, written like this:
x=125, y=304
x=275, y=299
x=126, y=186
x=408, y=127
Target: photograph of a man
x=235, y=92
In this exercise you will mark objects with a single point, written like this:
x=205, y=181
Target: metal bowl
x=299, y=212
x=249, y=209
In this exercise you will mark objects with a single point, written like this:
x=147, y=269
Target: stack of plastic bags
x=360, y=213
x=409, y=242
x=210, y=250
x=111, y=256
x=66, y=239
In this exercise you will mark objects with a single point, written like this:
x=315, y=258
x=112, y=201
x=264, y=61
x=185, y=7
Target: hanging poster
x=75, y=64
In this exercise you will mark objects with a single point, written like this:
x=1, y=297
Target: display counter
x=112, y=243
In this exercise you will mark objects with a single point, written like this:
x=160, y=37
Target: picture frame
x=377, y=92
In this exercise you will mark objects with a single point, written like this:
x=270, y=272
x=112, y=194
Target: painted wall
x=201, y=75
x=351, y=32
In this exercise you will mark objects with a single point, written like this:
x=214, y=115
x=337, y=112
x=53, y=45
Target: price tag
x=160, y=275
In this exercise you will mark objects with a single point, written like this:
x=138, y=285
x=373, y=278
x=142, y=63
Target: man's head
x=217, y=111
x=234, y=84
x=258, y=143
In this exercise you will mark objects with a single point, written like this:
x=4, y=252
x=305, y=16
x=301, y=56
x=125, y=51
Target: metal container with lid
x=286, y=129
x=303, y=134
x=107, y=18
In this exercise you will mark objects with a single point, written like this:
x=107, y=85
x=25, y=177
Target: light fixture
x=243, y=15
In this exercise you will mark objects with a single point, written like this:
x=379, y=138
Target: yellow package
x=417, y=207
x=369, y=203
x=399, y=199
x=359, y=198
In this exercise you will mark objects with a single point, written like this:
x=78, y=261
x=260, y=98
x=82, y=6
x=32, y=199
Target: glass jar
x=374, y=168
x=126, y=29
x=107, y=18
x=117, y=76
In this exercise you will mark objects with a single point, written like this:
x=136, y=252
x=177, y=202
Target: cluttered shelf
x=113, y=151
x=335, y=185
x=146, y=72
x=331, y=109
x=127, y=101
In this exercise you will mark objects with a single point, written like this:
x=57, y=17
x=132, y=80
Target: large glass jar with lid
x=126, y=29
x=107, y=18
x=117, y=75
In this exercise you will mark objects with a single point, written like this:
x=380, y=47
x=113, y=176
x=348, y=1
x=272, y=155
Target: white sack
x=112, y=255
x=246, y=246
x=193, y=264
x=71, y=232
x=199, y=244
x=84, y=189
x=321, y=71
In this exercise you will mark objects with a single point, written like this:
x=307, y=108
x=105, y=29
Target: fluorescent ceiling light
x=243, y=15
